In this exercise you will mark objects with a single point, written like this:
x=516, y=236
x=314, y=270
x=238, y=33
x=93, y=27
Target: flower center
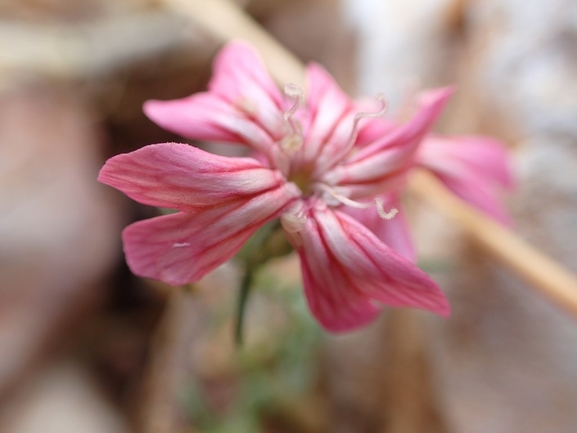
x=291, y=144
x=302, y=179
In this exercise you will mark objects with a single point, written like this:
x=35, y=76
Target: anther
x=295, y=92
x=381, y=211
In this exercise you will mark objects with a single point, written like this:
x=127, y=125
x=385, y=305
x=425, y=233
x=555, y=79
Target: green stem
x=242, y=299
x=263, y=246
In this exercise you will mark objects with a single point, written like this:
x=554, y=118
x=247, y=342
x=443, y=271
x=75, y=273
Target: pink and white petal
x=332, y=297
x=410, y=134
x=477, y=192
x=205, y=116
x=371, y=130
x=240, y=78
x=357, y=265
x=393, y=154
x=395, y=232
x=396, y=281
x=371, y=176
x=474, y=168
x=183, y=247
x=488, y=157
x=179, y=176
x=327, y=104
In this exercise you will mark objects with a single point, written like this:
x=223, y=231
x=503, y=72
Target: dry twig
x=87, y=49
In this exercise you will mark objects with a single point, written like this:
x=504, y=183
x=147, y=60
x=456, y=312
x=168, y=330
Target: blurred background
x=87, y=347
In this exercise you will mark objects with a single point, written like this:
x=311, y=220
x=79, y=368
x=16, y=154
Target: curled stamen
x=381, y=211
x=378, y=202
x=381, y=113
x=295, y=92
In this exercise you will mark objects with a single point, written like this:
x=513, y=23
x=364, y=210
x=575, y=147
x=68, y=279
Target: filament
x=381, y=113
x=378, y=202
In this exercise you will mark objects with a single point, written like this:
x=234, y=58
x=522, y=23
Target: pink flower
x=306, y=169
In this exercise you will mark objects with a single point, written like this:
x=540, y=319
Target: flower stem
x=263, y=246
x=241, y=305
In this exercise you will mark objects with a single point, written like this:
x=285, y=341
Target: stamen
x=378, y=202
x=381, y=113
x=295, y=92
x=381, y=211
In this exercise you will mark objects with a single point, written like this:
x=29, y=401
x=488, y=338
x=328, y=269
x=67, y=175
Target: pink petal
x=430, y=106
x=395, y=232
x=348, y=272
x=483, y=155
x=179, y=176
x=205, y=116
x=181, y=248
x=477, y=169
x=371, y=130
x=378, y=164
x=243, y=104
x=240, y=76
x=327, y=106
x=337, y=308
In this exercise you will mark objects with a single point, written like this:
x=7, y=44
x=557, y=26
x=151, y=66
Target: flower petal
x=179, y=176
x=181, y=248
x=477, y=169
x=395, y=232
x=376, y=164
x=348, y=272
x=371, y=130
x=327, y=105
x=240, y=77
x=483, y=155
x=243, y=104
x=336, y=308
